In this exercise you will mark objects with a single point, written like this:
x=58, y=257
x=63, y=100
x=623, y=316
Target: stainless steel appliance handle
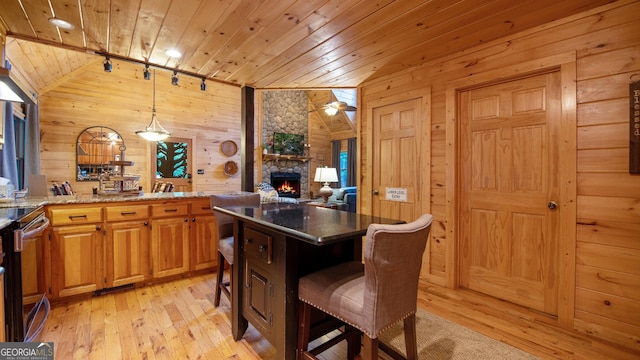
x=21, y=235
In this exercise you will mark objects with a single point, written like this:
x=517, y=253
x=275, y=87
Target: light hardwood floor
x=177, y=320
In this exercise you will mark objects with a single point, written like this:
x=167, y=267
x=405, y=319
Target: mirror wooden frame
x=97, y=147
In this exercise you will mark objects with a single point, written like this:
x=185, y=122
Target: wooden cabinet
x=91, y=247
x=204, y=236
x=259, y=281
x=127, y=245
x=33, y=271
x=76, y=259
x=170, y=239
x=76, y=236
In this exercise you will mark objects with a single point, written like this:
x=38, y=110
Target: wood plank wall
x=122, y=100
x=607, y=43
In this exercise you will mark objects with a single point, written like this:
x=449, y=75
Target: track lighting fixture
x=203, y=85
x=174, y=78
x=147, y=73
x=107, y=64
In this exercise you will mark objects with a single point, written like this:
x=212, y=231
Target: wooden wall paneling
x=123, y=101
x=608, y=281
x=609, y=233
x=603, y=160
x=600, y=184
x=606, y=210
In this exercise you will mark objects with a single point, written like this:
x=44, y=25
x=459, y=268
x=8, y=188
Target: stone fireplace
x=286, y=184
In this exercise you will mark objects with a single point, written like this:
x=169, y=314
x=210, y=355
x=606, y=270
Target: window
x=172, y=160
x=19, y=125
x=344, y=155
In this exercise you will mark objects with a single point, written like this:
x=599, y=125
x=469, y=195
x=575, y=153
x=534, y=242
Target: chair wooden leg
x=229, y=292
x=410, y=337
x=370, y=351
x=353, y=341
x=304, y=324
x=216, y=301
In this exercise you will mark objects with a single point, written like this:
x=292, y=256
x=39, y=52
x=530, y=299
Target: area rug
x=439, y=338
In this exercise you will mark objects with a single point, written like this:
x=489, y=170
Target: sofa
x=344, y=198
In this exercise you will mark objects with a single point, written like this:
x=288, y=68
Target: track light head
x=174, y=78
x=203, y=85
x=147, y=73
x=107, y=64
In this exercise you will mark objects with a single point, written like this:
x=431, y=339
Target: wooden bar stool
x=369, y=297
x=224, y=224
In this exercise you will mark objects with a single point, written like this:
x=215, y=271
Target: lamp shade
x=326, y=175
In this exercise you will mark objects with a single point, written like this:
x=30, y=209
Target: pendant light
x=154, y=131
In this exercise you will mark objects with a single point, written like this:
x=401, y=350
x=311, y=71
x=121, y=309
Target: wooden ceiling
x=266, y=44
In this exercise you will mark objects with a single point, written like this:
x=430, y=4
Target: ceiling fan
x=332, y=108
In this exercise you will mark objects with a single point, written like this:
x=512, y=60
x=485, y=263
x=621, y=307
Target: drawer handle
x=125, y=213
x=262, y=248
x=73, y=217
x=170, y=210
x=205, y=208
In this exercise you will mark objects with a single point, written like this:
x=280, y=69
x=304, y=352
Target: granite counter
x=31, y=201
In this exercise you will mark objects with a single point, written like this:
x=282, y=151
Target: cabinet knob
x=186, y=219
x=262, y=248
x=193, y=219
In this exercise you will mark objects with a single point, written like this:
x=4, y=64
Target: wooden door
x=172, y=163
x=509, y=143
x=396, y=162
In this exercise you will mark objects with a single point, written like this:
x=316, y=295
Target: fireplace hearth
x=286, y=184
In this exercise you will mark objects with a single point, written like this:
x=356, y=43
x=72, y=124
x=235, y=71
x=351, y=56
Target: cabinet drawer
x=169, y=210
x=119, y=213
x=201, y=207
x=68, y=216
x=258, y=244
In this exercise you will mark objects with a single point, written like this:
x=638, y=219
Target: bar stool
x=224, y=224
x=369, y=297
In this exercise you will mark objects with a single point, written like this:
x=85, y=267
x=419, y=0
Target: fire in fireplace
x=286, y=184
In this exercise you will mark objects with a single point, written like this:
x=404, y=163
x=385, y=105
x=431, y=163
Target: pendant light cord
x=154, y=91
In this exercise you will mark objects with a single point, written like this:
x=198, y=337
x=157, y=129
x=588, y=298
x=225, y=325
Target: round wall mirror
x=97, y=149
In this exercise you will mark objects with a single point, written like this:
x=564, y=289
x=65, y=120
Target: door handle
x=552, y=205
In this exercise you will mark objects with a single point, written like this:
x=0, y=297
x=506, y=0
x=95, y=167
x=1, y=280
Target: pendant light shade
x=154, y=131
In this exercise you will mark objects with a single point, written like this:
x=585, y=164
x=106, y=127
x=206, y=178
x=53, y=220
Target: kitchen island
x=278, y=244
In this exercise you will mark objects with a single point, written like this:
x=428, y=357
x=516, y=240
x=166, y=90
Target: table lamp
x=325, y=175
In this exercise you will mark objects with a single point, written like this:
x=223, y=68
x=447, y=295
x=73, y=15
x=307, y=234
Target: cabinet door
x=170, y=246
x=204, y=242
x=33, y=277
x=258, y=296
x=127, y=253
x=76, y=259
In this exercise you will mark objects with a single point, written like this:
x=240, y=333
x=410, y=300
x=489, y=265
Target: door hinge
x=271, y=289
x=105, y=279
x=270, y=319
x=50, y=291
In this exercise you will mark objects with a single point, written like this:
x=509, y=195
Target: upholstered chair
x=224, y=224
x=370, y=297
